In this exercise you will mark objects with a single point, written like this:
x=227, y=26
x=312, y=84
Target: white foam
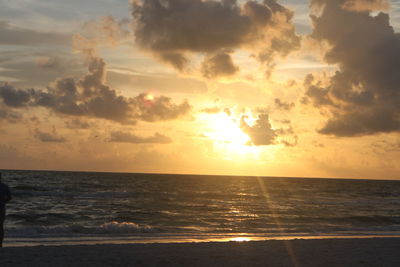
x=75, y=229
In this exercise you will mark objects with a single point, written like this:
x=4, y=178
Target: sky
x=266, y=88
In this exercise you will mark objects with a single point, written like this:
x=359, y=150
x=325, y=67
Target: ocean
x=51, y=207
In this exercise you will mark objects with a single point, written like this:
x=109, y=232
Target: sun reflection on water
x=240, y=239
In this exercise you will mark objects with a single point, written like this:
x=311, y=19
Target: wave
x=110, y=228
x=348, y=220
x=40, y=192
x=30, y=188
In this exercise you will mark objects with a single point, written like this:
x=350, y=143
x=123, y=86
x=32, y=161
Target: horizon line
x=197, y=174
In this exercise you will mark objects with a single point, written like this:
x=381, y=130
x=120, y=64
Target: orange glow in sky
x=258, y=88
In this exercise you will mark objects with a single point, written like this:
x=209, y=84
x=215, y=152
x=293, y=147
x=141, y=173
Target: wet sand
x=313, y=252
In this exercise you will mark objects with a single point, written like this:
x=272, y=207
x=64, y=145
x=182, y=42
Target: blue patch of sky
x=35, y=14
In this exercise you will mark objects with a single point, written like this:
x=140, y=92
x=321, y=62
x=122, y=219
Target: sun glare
x=240, y=239
x=229, y=139
x=224, y=129
x=149, y=97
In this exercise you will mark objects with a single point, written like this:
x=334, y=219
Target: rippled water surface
x=107, y=204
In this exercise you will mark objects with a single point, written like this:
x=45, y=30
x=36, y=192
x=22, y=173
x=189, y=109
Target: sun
x=224, y=129
x=229, y=141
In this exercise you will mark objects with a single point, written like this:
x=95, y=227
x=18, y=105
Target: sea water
x=85, y=207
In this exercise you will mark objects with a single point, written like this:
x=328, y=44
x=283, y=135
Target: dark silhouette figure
x=5, y=196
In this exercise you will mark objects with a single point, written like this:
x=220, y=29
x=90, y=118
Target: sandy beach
x=323, y=252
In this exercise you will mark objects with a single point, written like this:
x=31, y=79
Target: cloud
x=261, y=133
x=157, y=82
x=85, y=45
x=107, y=30
x=316, y=92
x=48, y=137
x=26, y=68
x=77, y=124
x=363, y=122
x=363, y=95
x=50, y=62
x=13, y=35
x=211, y=110
x=283, y=105
x=10, y=116
x=219, y=65
x=385, y=146
x=90, y=96
x=151, y=109
x=126, y=137
x=15, y=97
x=175, y=30
x=366, y=5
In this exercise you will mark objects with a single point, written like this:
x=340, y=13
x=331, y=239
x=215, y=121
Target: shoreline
x=373, y=251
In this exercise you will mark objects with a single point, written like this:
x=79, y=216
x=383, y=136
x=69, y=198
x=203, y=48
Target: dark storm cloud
x=218, y=65
x=178, y=61
x=12, y=35
x=363, y=96
x=91, y=97
x=261, y=133
x=15, y=97
x=362, y=123
x=48, y=137
x=126, y=137
x=159, y=108
x=318, y=94
x=175, y=29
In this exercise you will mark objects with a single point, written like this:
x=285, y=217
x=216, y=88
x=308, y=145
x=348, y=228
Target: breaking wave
x=111, y=228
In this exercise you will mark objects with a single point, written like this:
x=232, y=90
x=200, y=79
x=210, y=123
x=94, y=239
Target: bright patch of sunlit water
x=106, y=206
